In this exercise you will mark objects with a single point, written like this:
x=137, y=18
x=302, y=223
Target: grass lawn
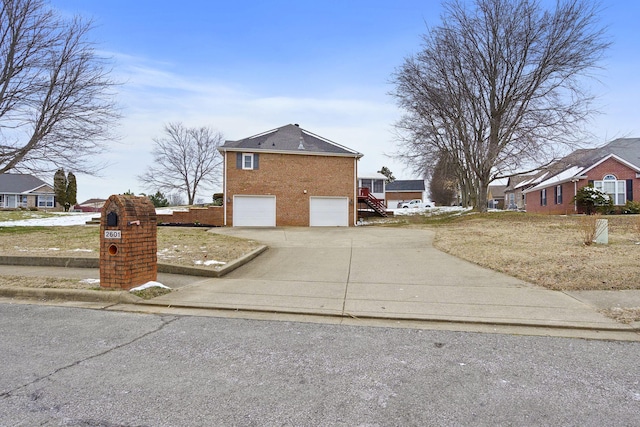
x=176, y=245
x=546, y=250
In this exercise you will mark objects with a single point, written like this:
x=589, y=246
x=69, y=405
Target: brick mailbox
x=128, y=242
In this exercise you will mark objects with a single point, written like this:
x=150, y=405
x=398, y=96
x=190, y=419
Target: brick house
x=402, y=190
x=25, y=191
x=289, y=176
x=613, y=168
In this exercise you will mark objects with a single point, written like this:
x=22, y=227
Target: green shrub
x=631, y=207
x=592, y=200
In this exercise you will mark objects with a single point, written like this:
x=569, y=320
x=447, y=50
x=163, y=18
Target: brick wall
x=610, y=166
x=287, y=176
x=131, y=260
x=212, y=215
x=404, y=196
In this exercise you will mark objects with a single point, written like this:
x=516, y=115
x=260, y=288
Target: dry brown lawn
x=176, y=245
x=547, y=250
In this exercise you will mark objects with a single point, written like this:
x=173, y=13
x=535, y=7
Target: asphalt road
x=80, y=367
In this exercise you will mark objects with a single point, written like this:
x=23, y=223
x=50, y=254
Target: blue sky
x=244, y=67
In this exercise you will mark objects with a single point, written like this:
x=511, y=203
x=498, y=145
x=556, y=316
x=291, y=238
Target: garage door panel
x=254, y=211
x=329, y=211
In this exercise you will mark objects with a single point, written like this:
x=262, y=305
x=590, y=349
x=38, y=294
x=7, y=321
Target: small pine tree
x=72, y=190
x=60, y=187
x=386, y=172
x=159, y=200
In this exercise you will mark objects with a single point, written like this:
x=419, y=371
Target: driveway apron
x=378, y=272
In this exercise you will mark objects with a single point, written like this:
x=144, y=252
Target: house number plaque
x=113, y=234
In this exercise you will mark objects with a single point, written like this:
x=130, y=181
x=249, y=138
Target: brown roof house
x=613, y=168
x=25, y=191
x=289, y=176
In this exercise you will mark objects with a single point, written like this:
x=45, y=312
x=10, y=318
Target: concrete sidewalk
x=382, y=273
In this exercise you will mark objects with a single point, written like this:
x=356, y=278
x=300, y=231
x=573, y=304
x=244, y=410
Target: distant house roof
x=576, y=164
x=15, y=183
x=93, y=202
x=289, y=139
x=405, y=185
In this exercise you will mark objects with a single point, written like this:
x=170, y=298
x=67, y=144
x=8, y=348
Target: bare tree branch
x=56, y=104
x=498, y=87
x=185, y=160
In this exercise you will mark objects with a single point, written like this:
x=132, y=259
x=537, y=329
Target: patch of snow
x=90, y=281
x=209, y=262
x=60, y=219
x=54, y=249
x=81, y=250
x=439, y=210
x=148, y=285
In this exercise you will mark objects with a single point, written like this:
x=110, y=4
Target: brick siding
x=610, y=166
x=287, y=176
x=212, y=215
x=131, y=260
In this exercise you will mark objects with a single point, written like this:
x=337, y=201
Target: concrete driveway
x=379, y=272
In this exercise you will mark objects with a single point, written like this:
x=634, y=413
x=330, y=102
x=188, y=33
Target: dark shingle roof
x=578, y=162
x=405, y=185
x=15, y=183
x=290, y=138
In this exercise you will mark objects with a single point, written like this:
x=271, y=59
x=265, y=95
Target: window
x=247, y=161
x=2, y=201
x=378, y=184
x=616, y=189
x=558, y=194
x=543, y=197
x=46, y=202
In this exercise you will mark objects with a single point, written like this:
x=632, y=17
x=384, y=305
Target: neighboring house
x=613, y=168
x=495, y=194
x=402, y=190
x=91, y=205
x=25, y=191
x=514, y=192
x=289, y=177
x=375, y=182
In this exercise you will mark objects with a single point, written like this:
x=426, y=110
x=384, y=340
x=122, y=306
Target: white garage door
x=329, y=211
x=254, y=211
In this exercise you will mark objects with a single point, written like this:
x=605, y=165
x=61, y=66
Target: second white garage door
x=254, y=211
x=329, y=211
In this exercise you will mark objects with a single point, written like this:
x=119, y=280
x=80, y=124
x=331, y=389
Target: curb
x=162, y=268
x=114, y=297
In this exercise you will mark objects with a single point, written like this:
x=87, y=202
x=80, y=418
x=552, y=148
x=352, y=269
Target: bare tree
x=186, y=159
x=498, y=87
x=56, y=105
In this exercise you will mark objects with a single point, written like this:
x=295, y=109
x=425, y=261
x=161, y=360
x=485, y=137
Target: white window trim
x=244, y=164
x=618, y=185
x=49, y=201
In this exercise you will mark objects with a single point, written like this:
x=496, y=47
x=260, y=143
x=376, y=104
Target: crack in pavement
x=166, y=320
x=346, y=287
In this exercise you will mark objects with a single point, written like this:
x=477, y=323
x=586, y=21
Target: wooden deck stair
x=365, y=196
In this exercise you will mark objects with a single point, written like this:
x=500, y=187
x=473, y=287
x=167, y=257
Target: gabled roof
x=517, y=181
x=290, y=139
x=93, y=202
x=15, y=183
x=405, y=185
x=578, y=163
